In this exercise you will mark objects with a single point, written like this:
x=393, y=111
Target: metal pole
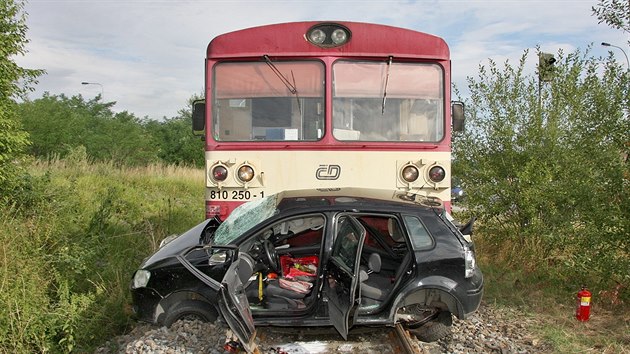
x=605, y=44
x=95, y=83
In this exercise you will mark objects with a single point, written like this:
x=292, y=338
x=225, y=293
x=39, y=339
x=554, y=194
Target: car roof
x=354, y=198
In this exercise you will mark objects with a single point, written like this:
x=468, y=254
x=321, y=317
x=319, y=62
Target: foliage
x=57, y=124
x=549, y=311
x=15, y=81
x=65, y=266
x=614, y=13
x=546, y=168
x=174, y=137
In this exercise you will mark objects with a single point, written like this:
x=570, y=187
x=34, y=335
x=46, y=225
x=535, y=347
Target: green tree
x=544, y=165
x=614, y=13
x=174, y=136
x=59, y=124
x=15, y=81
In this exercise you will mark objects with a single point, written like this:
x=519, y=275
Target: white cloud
x=149, y=55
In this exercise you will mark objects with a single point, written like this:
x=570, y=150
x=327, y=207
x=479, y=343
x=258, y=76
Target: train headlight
x=219, y=173
x=339, y=36
x=410, y=173
x=328, y=35
x=317, y=36
x=437, y=174
x=245, y=173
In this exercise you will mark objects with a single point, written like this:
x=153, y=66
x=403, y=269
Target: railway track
x=368, y=340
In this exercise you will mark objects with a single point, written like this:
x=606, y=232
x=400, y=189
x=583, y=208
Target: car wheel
x=431, y=331
x=190, y=310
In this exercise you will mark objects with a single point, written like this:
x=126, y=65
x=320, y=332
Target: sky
x=148, y=55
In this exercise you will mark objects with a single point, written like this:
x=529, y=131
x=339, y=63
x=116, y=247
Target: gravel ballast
x=489, y=330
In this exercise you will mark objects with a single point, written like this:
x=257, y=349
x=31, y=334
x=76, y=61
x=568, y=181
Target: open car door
x=342, y=281
x=233, y=301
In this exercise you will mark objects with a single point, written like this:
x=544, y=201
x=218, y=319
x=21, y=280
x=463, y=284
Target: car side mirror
x=218, y=257
x=467, y=229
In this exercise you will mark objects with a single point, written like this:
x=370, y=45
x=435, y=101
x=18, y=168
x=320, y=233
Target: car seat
x=375, y=286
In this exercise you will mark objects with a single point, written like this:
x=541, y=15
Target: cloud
x=149, y=54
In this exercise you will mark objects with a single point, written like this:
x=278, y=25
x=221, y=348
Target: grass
x=550, y=310
x=66, y=260
x=67, y=257
x=540, y=276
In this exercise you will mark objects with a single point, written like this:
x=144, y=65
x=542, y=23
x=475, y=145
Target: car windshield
x=244, y=218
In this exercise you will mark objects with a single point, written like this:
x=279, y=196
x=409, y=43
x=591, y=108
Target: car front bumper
x=145, y=303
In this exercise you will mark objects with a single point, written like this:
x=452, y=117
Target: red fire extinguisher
x=583, y=310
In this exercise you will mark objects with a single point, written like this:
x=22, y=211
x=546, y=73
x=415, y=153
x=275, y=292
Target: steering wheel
x=270, y=253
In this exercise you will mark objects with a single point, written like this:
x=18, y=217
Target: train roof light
x=328, y=35
x=316, y=36
x=339, y=36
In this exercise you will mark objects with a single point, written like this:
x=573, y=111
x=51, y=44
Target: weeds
x=549, y=297
x=68, y=251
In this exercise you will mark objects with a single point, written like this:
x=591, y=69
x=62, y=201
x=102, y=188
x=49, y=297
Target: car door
x=232, y=299
x=233, y=302
x=342, y=277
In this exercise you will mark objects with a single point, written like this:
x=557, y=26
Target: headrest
x=374, y=262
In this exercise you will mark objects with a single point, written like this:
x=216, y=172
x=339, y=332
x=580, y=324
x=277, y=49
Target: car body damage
x=316, y=258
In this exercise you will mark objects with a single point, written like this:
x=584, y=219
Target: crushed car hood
x=188, y=239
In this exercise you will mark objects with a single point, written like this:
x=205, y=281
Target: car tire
x=434, y=330
x=190, y=310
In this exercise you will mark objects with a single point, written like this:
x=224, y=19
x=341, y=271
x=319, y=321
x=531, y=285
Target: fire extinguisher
x=583, y=310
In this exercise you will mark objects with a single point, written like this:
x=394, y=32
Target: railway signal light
x=545, y=67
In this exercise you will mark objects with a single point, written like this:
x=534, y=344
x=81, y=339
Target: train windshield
x=268, y=101
x=388, y=101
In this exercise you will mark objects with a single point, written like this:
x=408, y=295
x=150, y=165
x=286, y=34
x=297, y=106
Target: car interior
x=385, y=260
x=287, y=257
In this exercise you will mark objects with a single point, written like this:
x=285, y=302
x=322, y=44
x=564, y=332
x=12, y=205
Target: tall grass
x=66, y=256
x=531, y=275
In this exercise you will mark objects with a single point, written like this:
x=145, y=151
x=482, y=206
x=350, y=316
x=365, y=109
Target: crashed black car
x=316, y=258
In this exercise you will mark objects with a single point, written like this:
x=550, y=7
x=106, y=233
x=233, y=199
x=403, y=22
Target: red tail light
x=219, y=173
x=437, y=174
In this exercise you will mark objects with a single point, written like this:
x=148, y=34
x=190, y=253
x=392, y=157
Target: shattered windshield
x=244, y=218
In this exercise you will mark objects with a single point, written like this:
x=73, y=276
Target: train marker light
x=437, y=174
x=219, y=173
x=410, y=173
x=245, y=173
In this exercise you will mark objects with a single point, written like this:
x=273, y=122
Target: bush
x=545, y=166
